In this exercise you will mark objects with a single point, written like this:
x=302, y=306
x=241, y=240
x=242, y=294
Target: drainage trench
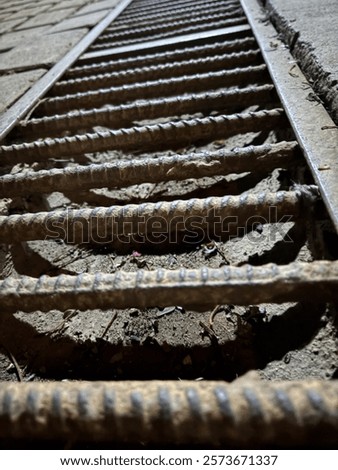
x=160, y=221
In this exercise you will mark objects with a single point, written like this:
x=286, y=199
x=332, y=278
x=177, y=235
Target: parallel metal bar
x=162, y=57
x=126, y=173
x=163, y=6
x=166, y=44
x=9, y=118
x=166, y=7
x=175, y=13
x=246, y=413
x=155, y=72
x=126, y=114
x=313, y=127
x=164, y=25
x=106, y=224
x=183, y=30
x=151, y=89
x=159, y=136
x=245, y=285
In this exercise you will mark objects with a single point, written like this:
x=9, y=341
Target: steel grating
x=161, y=150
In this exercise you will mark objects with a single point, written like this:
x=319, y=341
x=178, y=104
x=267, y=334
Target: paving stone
x=5, y=16
x=68, y=4
x=97, y=6
x=12, y=7
x=12, y=86
x=80, y=21
x=29, y=12
x=10, y=40
x=46, y=18
x=10, y=25
x=35, y=54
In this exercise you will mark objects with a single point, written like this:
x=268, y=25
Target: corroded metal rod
x=164, y=25
x=262, y=158
x=153, y=88
x=104, y=224
x=173, y=15
x=155, y=72
x=184, y=53
x=203, y=287
x=135, y=11
x=159, y=136
x=186, y=30
x=125, y=114
x=240, y=414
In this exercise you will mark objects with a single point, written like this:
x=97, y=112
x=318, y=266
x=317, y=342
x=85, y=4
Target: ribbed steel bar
x=159, y=136
x=245, y=285
x=167, y=44
x=164, y=25
x=152, y=89
x=155, y=72
x=135, y=10
x=262, y=158
x=162, y=57
x=105, y=224
x=140, y=6
x=126, y=114
x=244, y=414
x=239, y=20
x=165, y=7
x=174, y=14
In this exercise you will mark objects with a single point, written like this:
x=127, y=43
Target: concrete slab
x=310, y=28
x=97, y=6
x=12, y=39
x=15, y=6
x=13, y=86
x=10, y=24
x=68, y=4
x=36, y=54
x=46, y=18
x=29, y=12
x=80, y=21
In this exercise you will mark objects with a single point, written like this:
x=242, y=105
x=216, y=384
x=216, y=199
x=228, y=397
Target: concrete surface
x=47, y=18
x=35, y=34
x=79, y=21
x=15, y=38
x=93, y=7
x=15, y=85
x=310, y=28
x=10, y=24
x=32, y=55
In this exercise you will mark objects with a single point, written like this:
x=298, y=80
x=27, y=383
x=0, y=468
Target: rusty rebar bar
x=203, y=287
x=173, y=15
x=123, y=40
x=151, y=89
x=138, y=12
x=159, y=136
x=175, y=55
x=132, y=17
x=104, y=224
x=126, y=114
x=119, y=174
x=164, y=25
x=244, y=413
x=155, y=72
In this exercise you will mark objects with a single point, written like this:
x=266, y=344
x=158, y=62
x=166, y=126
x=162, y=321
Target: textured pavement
x=35, y=34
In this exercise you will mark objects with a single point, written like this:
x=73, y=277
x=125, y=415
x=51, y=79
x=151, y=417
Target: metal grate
x=166, y=138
